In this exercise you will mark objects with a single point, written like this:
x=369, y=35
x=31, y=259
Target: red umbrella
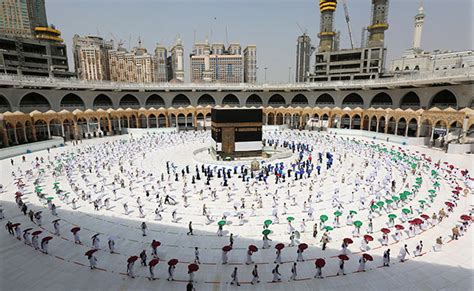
x=385, y=230
x=399, y=227
x=132, y=259
x=416, y=221
x=75, y=229
x=465, y=217
x=18, y=194
x=90, y=252
x=155, y=244
x=47, y=238
x=367, y=257
x=16, y=224
x=449, y=204
x=451, y=167
x=36, y=232
x=172, y=262
x=226, y=248
x=28, y=229
x=348, y=240
x=154, y=262
x=193, y=267
x=368, y=237
x=343, y=257
x=425, y=216
x=320, y=263
x=253, y=248
x=303, y=246
x=279, y=246
x=458, y=188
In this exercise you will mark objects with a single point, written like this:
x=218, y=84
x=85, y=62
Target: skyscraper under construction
x=361, y=63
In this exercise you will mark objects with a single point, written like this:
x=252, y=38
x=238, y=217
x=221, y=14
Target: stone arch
x=382, y=100
x=72, y=101
x=41, y=129
x=206, y=100
x=276, y=100
x=324, y=99
x=444, y=99
x=155, y=101
x=34, y=101
x=279, y=118
x=373, y=123
x=102, y=101
x=180, y=100
x=254, y=100
x=391, y=125
x=401, y=127
x=353, y=100
x=356, y=122
x=410, y=100
x=271, y=118
x=4, y=104
x=129, y=101
x=231, y=100
x=366, y=123
x=299, y=100
x=381, y=124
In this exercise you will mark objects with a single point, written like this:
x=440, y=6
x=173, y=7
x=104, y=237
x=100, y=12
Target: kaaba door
x=228, y=140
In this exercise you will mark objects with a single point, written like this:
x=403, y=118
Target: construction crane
x=348, y=21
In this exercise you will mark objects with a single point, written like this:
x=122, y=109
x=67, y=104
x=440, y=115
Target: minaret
x=378, y=23
x=419, y=20
x=179, y=51
x=326, y=34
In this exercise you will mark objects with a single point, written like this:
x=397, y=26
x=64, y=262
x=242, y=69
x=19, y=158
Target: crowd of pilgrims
x=112, y=172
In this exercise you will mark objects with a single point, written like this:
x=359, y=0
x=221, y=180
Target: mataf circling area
x=140, y=212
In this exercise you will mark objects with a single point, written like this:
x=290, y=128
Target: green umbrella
x=436, y=184
x=328, y=228
x=290, y=218
x=419, y=178
x=267, y=222
x=406, y=192
x=380, y=204
x=432, y=195
x=395, y=198
x=221, y=223
x=392, y=216
x=266, y=232
x=403, y=197
x=56, y=183
x=353, y=212
x=422, y=201
x=416, y=186
x=49, y=198
x=432, y=191
x=406, y=210
x=323, y=218
x=373, y=207
x=358, y=223
x=337, y=213
x=389, y=201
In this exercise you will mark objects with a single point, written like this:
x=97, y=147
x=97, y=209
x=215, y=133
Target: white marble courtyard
x=371, y=164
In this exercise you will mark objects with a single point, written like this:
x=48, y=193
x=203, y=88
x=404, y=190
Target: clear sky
x=270, y=24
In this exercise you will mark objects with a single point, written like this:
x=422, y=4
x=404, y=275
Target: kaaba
x=237, y=132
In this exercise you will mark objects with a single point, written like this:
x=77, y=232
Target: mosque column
x=377, y=125
x=350, y=122
x=24, y=133
x=432, y=134
x=139, y=121
x=75, y=129
x=15, y=135
x=4, y=135
x=418, y=127
x=87, y=124
x=266, y=119
x=185, y=121
x=275, y=119
x=109, y=123
x=385, y=130
x=167, y=120
x=128, y=121
x=62, y=129
x=49, y=130
x=176, y=118
x=406, y=129
x=195, y=121
x=396, y=128
x=120, y=123
x=147, y=122
x=464, y=127
x=33, y=131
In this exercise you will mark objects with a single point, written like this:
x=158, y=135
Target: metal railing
x=454, y=75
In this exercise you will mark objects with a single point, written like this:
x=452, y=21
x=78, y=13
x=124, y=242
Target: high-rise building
x=91, y=57
x=303, y=55
x=176, y=62
x=14, y=18
x=137, y=66
x=379, y=23
x=326, y=33
x=161, y=58
x=250, y=64
x=366, y=62
x=215, y=63
x=37, y=13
